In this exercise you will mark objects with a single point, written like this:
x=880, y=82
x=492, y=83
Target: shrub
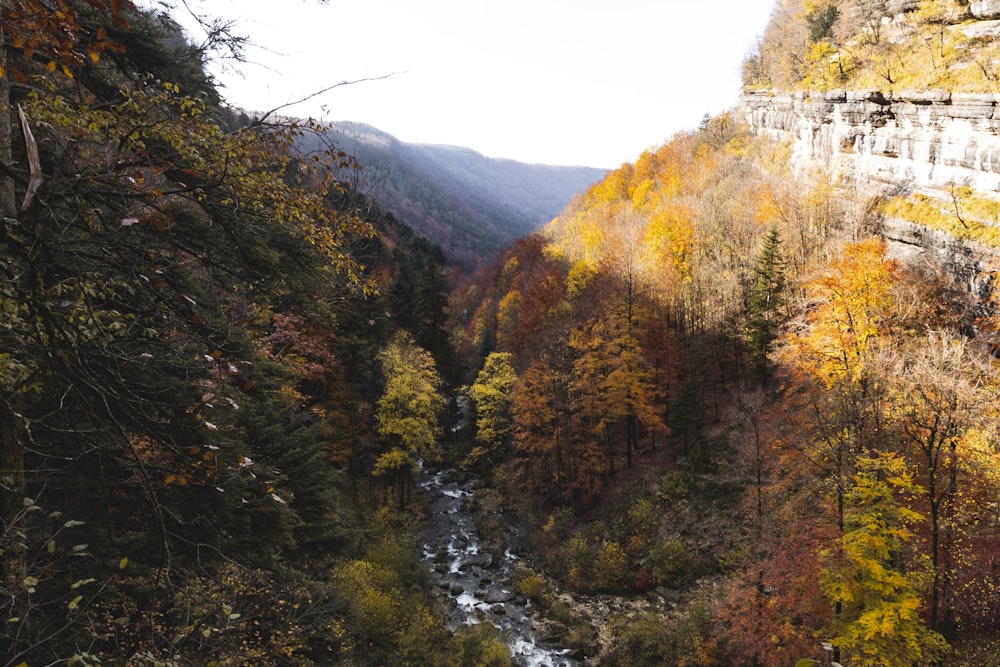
x=668, y=562
x=611, y=572
x=531, y=586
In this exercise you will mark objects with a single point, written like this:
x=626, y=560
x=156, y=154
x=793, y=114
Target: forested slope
x=208, y=345
x=470, y=205
x=732, y=406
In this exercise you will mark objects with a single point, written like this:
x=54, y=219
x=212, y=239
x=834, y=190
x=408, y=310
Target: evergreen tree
x=766, y=301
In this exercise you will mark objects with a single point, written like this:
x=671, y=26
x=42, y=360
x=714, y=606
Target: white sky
x=569, y=82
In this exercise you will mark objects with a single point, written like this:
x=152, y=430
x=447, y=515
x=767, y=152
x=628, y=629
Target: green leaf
x=805, y=662
x=30, y=583
x=75, y=602
x=82, y=582
x=72, y=523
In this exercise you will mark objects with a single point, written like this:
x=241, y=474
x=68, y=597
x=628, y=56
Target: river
x=476, y=579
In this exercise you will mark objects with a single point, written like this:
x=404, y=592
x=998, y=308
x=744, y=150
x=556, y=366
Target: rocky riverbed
x=474, y=572
x=474, y=577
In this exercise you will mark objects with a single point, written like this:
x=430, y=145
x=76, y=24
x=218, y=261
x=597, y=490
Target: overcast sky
x=570, y=82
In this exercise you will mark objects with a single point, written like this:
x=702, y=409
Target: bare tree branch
x=317, y=93
x=34, y=163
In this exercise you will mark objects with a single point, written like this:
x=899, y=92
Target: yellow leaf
x=94, y=57
x=122, y=563
x=75, y=602
x=51, y=66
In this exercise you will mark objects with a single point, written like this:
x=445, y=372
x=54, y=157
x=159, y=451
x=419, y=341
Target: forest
x=708, y=388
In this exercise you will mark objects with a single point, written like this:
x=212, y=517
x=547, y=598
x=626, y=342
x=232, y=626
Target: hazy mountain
x=469, y=204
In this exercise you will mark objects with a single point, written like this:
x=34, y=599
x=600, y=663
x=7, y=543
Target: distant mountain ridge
x=471, y=205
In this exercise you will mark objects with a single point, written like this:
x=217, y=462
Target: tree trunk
x=8, y=205
x=12, y=494
x=12, y=482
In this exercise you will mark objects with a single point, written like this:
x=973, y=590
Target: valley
x=280, y=391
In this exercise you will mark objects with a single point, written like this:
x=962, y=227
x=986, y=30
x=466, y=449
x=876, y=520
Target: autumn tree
x=614, y=383
x=880, y=623
x=545, y=429
x=492, y=395
x=935, y=401
x=837, y=354
x=408, y=411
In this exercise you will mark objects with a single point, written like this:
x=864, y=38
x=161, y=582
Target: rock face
x=883, y=145
x=912, y=141
x=985, y=9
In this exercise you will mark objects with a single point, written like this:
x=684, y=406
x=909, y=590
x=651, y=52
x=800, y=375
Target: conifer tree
x=766, y=300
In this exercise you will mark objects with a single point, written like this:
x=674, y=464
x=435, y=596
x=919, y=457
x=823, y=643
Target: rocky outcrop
x=919, y=140
x=928, y=142
x=985, y=9
x=979, y=9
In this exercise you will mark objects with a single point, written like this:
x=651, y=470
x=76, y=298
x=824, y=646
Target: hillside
x=219, y=370
x=753, y=396
x=735, y=418
x=469, y=204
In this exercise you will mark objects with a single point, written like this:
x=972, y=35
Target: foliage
x=879, y=620
x=189, y=329
x=408, y=411
x=653, y=640
x=668, y=562
x=821, y=20
x=491, y=393
x=479, y=644
x=610, y=567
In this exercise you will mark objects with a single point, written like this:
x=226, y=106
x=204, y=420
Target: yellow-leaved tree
x=879, y=624
x=492, y=395
x=407, y=413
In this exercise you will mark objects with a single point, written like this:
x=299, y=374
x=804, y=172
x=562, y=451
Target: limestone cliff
x=931, y=140
x=929, y=153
